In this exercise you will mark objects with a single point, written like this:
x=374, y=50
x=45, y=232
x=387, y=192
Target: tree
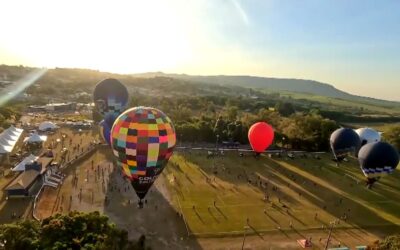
x=239, y=134
x=270, y=117
x=75, y=230
x=21, y=235
x=285, y=108
x=232, y=113
x=392, y=136
x=231, y=127
x=308, y=131
x=186, y=132
x=389, y=243
x=220, y=126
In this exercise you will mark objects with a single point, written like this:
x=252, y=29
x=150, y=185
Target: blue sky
x=353, y=44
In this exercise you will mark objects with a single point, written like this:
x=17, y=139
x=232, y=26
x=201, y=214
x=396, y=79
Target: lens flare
x=14, y=89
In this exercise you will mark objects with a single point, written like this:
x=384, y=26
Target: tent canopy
x=8, y=139
x=35, y=137
x=21, y=166
x=44, y=126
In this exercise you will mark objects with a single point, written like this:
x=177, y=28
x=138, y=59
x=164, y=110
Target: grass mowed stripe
x=304, y=193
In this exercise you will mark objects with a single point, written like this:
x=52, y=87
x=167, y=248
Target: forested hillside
x=202, y=111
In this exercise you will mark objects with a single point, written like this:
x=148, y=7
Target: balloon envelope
x=143, y=140
x=110, y=97
x=344, y=141
x=368, y=135
x=378, y=159
x=261, y=136
x=105, y=131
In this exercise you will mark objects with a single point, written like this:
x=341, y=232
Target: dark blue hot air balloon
x=105, y=131
x=344, y=141
x=377, y=159
x=110, y=98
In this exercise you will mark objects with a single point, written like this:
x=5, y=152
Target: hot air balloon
x=368, y=135
x=143, y=140
x=377, y=159
x=110, y=98
x=261, y=136
x=343, y=142
x=105, y=130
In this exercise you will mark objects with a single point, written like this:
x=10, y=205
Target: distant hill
x=277, y=85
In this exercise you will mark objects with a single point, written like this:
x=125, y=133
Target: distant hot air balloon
x=377, y=159
x=143, y=140
x=110, y=98
x=261, y=136
x=368, y=135
x=344, y=141
x=105, y=130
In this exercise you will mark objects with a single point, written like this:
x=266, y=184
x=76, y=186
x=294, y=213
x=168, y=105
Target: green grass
x=236, y=200
x=380, y=126
x=346, y=104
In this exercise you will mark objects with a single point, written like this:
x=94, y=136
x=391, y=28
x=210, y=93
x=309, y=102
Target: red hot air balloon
x=261, y=136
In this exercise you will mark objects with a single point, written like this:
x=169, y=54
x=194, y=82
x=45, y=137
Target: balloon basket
x=140, y=204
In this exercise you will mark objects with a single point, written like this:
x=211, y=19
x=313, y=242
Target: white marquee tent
x=45, y=126
x=35, y=138
x=8, y=139
x=21, y=166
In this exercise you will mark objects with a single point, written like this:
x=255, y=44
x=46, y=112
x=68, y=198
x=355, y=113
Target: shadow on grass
x=198, y=216
x=163, y=226
x=256, y=232
x=335, y=197
x=212, y=215
x=220, y=211
x=15, y=206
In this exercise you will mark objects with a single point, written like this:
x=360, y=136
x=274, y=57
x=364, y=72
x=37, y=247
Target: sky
x=351, y=44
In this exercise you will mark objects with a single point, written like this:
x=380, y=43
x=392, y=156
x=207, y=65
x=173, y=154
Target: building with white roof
x=8, y=139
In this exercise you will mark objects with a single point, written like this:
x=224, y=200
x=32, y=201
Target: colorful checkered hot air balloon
x=143, y=140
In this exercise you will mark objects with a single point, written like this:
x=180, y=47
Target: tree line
x=75, y=230
x=203, y=118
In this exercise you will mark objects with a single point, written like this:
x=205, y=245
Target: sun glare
x=128, y=36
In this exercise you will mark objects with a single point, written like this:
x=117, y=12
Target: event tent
x=35, y=138
x=45, y=126
x=8, y=139
x=21, y=166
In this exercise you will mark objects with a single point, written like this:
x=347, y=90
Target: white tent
x=45, y=126
x=21, y=166
x=8, y=139
x=5, y=142
x=10, y=136
x=5, y=149
x=12, y=128
x=35, y=137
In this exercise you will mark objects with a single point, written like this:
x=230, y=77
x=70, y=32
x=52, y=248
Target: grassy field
x=380, y=126
x=305, y=187
x=347, y=104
